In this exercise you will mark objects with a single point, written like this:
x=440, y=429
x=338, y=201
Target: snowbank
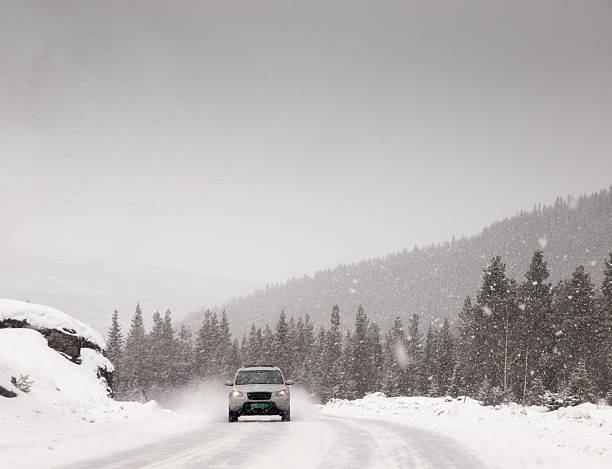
x=46, y=317
x=67, y=415
x=505, y=436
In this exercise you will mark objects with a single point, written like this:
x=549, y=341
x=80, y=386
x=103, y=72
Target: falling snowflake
x=558, y=333
x=487, y=310
x=522, y=306
x=400, y=355
x=542, y=242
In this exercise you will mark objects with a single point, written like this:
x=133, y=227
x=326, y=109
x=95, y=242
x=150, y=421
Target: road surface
x=322, y=442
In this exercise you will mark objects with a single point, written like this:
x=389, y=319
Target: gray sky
x=256, y=140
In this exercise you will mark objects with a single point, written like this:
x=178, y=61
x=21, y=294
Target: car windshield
x=259, y=377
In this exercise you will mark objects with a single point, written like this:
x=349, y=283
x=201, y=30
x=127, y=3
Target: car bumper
x=245, y=406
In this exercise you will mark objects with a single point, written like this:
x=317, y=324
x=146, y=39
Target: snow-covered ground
x=508, y=436
x=66, y=419
x=66, y=414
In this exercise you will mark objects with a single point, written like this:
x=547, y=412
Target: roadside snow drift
x=59, y=410
x=508, y=436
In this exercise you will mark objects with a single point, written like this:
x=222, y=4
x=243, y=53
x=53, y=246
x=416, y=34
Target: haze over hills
x=433, y=281
x=90, y=290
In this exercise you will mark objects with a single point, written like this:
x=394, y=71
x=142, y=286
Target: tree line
x=528, y=342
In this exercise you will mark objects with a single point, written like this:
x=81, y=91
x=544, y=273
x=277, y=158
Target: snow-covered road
x=325, y=442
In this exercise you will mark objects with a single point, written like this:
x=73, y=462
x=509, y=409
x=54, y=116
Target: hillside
x=433, y=281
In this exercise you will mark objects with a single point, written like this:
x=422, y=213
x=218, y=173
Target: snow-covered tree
x=114, y=349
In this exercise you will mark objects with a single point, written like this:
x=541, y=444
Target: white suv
x=259, y=390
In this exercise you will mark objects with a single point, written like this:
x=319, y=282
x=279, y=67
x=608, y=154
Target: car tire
x=232, y=416
x=286, y=415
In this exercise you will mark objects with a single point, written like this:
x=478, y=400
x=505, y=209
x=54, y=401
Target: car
x=259, y=390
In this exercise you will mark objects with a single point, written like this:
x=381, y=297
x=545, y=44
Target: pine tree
x=268, y=348
x=114, y=349
x=375, y=358
x=155, y=353
x=446, y=359
x=580, y=388
x=169, y=351
x=396, y=361
x=391, y=370
x=497, y=298
x=602, y=337
x=319, y=377
x=135, y=356
x=428, y=364
x=331, y=359
x=225, y=356
x=305, y=353
x=254, y=347
x=577, y=316
x=281, y=344
x=414, y=347
x=206, y=345
x=360, y=352
x=471, y=346
x=535, y=305
x=349, y=386
x=183, y=370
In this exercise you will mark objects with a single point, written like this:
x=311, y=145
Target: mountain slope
x=434, y=281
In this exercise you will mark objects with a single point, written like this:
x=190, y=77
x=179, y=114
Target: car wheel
x=286, y=416
x=232, y=416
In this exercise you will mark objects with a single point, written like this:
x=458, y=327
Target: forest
x=526, y=341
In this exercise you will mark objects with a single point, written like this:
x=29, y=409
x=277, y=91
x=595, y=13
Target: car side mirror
x=229, y=383
x=289, y=382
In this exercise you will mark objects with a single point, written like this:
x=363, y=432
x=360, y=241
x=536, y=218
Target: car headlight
x=235, y=393
x=282, y=393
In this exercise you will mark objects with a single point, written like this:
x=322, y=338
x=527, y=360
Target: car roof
x=259, y=367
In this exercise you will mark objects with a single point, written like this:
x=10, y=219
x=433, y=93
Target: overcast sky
x=258, y=140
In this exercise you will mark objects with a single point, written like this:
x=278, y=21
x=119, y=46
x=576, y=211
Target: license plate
x=263, y=405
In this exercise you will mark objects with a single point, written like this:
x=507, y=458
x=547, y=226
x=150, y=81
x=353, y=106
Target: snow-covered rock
x=42, y=317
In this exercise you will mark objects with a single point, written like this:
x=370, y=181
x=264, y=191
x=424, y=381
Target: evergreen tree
x=471, y=346
x=268, y=346
x=535, y=334
x=114, y=349
x=375, y=358
x=155, y=353
x=428, y=366
x=183, y=370
x=306, y=352
x=580, y=388
x=360, y=350
x=134, y=356
x=577, y=316
x=414, y=346
x=602, y=334
x=225, y=356
x=168, y=375
x=497, y=299
x=331, y=359
x=281, y=344
x=396, y=360
x=206, y=345
x=446, y=359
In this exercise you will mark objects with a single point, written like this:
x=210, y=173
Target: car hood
x=260, y=387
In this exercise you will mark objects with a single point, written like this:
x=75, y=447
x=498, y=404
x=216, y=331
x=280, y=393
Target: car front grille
x=259, y=396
